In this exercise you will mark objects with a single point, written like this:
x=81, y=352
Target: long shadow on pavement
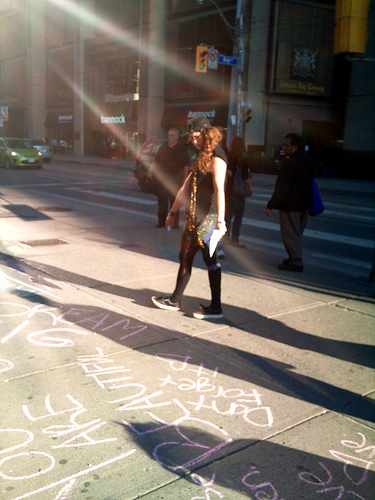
x=360, y=354
x=270, y=374
x=261, y=468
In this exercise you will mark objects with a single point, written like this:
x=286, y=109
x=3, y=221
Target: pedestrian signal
x=201, y=59
x=246, y=114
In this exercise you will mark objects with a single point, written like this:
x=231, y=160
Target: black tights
x=189, y=247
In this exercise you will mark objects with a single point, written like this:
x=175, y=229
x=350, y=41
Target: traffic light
x=351, y=26
x=201, y=59
x=246, y=114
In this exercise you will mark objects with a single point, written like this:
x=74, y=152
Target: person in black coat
x=234, y=205
x=293, y=198
x=169, y=169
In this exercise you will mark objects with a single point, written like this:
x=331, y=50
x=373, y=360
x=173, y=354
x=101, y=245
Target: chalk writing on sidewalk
x=232, y=401
x=324, y=479
x=59, y=335
x=60, y=424
x=208, y=490
x=160, y=413
x=79, y=431
x=5, y=365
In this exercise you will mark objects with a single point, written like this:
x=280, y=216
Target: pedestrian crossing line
x=310, y=233
x=102, y=205
x=60, y=183
x=275, y=248
x=363, y=213
x=114, y=196
x=337, y=238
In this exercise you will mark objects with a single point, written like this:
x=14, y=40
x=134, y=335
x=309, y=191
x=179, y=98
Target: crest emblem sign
x=304, y=62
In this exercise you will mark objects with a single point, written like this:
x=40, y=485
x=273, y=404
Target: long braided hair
x=212, y=138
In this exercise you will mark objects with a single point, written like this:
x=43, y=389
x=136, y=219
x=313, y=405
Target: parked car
x=44, y=148
x=143, y=162
x=16, y=152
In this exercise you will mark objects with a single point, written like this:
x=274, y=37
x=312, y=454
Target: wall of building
x=153, y=60
x=359, y=133
x=300, y=86
x=125, y=71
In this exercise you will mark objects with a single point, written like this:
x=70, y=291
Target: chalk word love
x=362, y=462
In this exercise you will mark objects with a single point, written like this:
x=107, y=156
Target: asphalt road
x=342, y=238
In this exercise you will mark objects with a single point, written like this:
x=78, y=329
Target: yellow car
x=16, y=152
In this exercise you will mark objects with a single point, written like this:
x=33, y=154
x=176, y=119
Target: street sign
x=212, y=59
x=231, y=61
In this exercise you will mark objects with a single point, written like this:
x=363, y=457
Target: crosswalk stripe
x=331, y=209
x=132, y=199
x=275, y=248
x=359, y=242
x=310, y=233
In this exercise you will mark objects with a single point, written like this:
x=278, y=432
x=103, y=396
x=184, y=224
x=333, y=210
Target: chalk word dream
x=59, y=335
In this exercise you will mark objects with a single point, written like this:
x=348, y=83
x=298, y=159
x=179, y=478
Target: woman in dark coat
x=235, y=206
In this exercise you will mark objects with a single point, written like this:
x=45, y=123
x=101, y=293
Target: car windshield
x=18, y=143
x=38, y=143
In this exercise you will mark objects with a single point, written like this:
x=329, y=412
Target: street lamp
x=235, y=124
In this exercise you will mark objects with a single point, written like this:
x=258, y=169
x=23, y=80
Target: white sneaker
x=165, y=303
x=208, y=312
x=221, y=254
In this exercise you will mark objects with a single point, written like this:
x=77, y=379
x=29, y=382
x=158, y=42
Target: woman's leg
x=189, y=247
x=214, y=277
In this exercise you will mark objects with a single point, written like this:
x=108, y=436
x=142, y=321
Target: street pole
x=240, y=67
x=235, y=125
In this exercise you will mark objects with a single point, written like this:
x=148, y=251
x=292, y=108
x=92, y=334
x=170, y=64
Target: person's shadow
x=271, y=374
x=205, y=457
x=203, y=453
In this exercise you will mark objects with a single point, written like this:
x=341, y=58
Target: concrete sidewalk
x=106, y=397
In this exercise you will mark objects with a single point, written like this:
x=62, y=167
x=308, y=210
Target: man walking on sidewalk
x=293, y=198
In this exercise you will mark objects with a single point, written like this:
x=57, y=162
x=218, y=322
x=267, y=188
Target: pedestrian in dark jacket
x=169, y=169
x=293, y=198
x=234, y=205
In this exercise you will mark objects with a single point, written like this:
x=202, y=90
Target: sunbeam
x=152, y=51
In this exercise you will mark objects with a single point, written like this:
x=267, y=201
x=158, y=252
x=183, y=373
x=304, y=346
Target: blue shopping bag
x=317, y=206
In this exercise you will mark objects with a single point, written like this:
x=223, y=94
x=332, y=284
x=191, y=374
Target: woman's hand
x=170, y=220
x=221, y=226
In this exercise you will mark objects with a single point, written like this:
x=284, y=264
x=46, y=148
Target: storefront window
x=183, y=38
x=59, y=75
x=183, y=7
x=63, y=22
x=14, y=34
x=121, y=78
x=121, y=13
